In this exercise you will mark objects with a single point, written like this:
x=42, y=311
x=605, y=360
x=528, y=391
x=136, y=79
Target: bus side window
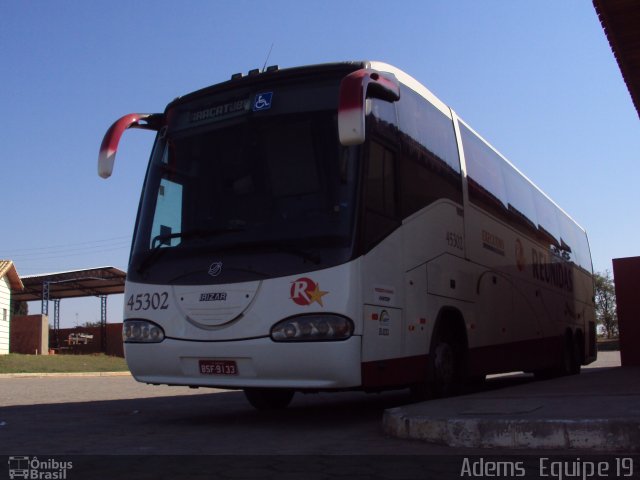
x=380, y=194
x=548, y=224
x=484, y=173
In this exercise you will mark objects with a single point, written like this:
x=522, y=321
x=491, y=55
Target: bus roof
x=257, y=76
x=336, y=68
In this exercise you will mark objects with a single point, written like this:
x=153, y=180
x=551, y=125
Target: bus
x=337, y=227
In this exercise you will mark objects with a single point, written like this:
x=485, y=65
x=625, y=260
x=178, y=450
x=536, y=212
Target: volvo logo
x=215, y=269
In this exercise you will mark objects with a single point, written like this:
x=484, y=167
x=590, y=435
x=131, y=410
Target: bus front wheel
x=446, y=370
x=269, y=398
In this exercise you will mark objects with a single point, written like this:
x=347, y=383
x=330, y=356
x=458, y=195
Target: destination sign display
x=221, y=111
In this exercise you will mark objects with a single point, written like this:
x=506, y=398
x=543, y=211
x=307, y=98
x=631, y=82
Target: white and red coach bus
x=336, y=227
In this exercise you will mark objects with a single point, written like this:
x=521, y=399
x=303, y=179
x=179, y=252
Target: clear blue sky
x=537, y=79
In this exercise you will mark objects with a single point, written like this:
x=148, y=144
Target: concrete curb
x=602, y=434
x=596, y=411
x=65, y=374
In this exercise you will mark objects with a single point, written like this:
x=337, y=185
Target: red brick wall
x=29, y=334
x=114, y=340
x=626, y=272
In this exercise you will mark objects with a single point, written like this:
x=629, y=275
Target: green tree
x=91, y=324
x=19, y=307
x=606, y=314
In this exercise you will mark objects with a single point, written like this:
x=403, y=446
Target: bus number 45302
x=148, y=301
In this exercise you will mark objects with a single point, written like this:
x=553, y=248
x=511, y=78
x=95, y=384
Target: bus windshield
x=267, y=196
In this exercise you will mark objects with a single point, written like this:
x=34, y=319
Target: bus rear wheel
x=569, y=362
x=269, y=398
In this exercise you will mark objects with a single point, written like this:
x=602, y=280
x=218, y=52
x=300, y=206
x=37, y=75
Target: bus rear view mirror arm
x=111, y=139
x=355, y=88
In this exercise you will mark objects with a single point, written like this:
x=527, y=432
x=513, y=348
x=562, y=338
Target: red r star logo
x=305, y=291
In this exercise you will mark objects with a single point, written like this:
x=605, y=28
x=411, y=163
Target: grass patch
x=18, y=363
x=608, y=344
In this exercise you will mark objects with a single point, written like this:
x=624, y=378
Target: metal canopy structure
x=620, y=20
x=92, y=282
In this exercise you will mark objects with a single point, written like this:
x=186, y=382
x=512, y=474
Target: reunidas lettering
x=557, y=274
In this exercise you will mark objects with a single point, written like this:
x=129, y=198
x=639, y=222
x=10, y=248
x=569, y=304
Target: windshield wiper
x=164, y=240
x=279, y=247
x=198, y=233
x=274, y=245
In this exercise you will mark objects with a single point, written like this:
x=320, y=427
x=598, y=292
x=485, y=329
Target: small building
x=9, y=280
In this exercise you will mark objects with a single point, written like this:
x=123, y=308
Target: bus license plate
x=218, y=367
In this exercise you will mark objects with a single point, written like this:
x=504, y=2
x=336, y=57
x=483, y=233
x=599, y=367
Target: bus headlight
x=141, y=331
x=312, y=328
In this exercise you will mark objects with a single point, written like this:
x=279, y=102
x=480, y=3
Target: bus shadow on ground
x=216, y=423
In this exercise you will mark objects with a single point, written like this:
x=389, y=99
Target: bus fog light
x=312, y=328
x=290, y=330
x=141, y=331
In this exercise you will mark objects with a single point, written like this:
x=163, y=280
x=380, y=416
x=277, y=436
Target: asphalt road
x=91, y=415
x=116, y=415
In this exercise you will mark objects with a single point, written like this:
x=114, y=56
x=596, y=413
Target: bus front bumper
x=259, y=363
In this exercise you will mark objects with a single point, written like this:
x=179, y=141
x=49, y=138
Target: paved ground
x=598, y=410
x=156, y=431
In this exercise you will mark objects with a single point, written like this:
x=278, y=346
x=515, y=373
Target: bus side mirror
x=111, y=139
x=355, y=88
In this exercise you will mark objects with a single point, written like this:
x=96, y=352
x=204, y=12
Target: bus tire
x=447, y=361
x=476, y=382
x=578, y=352
x=578, y=345
x=269, y=398
x=568, y=364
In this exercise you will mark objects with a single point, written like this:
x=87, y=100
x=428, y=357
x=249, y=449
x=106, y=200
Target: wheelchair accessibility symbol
x=262, y=101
